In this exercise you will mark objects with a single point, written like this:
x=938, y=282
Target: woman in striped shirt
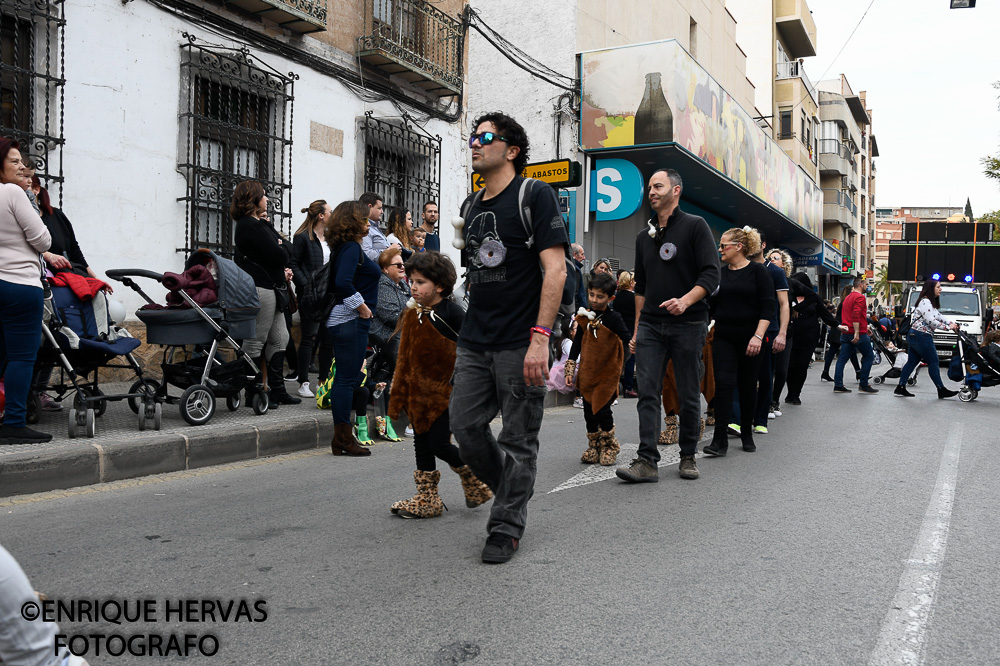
x=924, y=319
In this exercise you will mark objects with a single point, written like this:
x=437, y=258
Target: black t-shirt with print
x=504, y=294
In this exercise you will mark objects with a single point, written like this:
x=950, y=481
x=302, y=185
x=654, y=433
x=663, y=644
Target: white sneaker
x=304, y=391
x=408, y=431
x=578, y=403
x=771, y=415
x=614, y=403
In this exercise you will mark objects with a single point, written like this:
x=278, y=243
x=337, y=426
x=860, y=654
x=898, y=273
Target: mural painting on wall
x=658, y=93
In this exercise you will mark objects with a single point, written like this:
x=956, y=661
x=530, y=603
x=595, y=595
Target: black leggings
x=782, y=361
x=734, y=368
x=798, y=365
x=602, y=420
x=436, y=443
x=360, y=401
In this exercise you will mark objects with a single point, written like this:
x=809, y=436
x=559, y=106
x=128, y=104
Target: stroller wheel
x=91, y=423
x=912, y=381
x=101, y=406
x=133, y=403
x=141, y=418
x=965, y=394
x=259, y=402
x=34, y=408
x=72, y=423
x=197, y=404
x=233, y=402
x=157, y=416
x=877, y=379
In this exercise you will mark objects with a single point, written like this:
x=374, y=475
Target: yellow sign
x=556, y=172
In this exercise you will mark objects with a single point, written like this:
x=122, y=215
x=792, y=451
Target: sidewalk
x=120, y=451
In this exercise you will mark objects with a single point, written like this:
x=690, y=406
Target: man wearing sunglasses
x=503, y=348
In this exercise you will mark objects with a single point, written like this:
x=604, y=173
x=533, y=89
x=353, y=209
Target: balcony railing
x=297, y=15
x=795, y=70
x=840, y=198
x=415, y=41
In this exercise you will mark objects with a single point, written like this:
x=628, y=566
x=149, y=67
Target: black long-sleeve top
x=305, y=258
x=810, y=310
x=693, y=260
x=745, y=297
x=63, y=237
x=624, y=305
x=611, y=320
x=261, y=252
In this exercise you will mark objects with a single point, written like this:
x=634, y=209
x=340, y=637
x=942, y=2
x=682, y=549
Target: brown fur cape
x=600, y=364
x=421, y=385
x=670, y=402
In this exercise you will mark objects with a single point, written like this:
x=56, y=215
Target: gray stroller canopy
x=237, y=292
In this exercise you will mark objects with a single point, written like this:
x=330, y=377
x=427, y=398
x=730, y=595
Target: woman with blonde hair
x=742, y=308
x=310, y=253
x=624, y=304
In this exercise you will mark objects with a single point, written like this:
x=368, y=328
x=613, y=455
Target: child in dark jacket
x=599, y=344
x=421, y=385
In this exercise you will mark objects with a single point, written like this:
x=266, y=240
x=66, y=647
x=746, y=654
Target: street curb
x=91, y=462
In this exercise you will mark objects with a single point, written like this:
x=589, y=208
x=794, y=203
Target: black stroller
x=203, y=372
x=78, y=338
x=979, y=372
x=881, y=338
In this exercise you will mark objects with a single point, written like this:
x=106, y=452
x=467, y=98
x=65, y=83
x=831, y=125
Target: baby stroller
x=979, y=372
x=79, y=338
x=203, y=374
x=881, y=339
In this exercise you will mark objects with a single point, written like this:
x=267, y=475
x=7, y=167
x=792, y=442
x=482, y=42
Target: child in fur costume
x=671, y=406
x=599, y=343
x=421, y=385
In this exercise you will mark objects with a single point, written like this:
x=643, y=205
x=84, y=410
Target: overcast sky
x=927, y=70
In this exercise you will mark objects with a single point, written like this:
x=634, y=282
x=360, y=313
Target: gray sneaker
x=688, y=469
x=639, y=470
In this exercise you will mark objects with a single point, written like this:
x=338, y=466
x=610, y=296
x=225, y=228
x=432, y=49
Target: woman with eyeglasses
x=392, y=296
x=742, y=309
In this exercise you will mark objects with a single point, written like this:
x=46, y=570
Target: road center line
x=904, y=630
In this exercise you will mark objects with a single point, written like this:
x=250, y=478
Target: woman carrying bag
x=924, y=320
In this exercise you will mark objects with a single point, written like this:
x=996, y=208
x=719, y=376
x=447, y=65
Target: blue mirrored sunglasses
x=485, y=138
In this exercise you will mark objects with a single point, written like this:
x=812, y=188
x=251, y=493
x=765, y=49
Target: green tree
x=885, y=289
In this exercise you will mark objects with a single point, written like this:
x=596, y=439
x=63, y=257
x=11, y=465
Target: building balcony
x=415, y=41
x=796, y=26
x=793, y=75
x=834, y=158
x=300, y=16
x=838, y=207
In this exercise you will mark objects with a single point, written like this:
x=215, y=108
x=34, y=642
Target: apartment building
x=144, y=115
x=888, y=227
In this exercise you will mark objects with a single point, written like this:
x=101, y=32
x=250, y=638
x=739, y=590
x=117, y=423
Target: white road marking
x=670, y=455
x=904, y=630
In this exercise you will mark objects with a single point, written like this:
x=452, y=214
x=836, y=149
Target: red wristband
x=547, y=332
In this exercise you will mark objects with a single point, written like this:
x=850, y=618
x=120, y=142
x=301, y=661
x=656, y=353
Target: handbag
x=281, y=297
x=293, y=301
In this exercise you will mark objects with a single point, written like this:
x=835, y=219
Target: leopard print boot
x=610, y=448
x=701, y=433
x=593, y=452
x=426, y=503
x=710, y=416
x=669, y=433
x=476, y=492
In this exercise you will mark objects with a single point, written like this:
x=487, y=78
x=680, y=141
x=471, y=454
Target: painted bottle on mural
x=654, y=122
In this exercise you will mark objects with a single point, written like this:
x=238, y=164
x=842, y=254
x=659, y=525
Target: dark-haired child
x=421, y=385
x=417, y=239
x=599, y=344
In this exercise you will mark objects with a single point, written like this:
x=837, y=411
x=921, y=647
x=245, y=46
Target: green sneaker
x=760, y=430
x=733, y=430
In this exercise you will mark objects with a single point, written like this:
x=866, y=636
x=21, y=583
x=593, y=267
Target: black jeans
x=782, y=360
x=603, y=419
x=310, y=333
x=656, y=344
x=436, y=443
x=734, y=368
x=798, y=364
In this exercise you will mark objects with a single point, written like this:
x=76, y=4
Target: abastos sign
x=557, y=173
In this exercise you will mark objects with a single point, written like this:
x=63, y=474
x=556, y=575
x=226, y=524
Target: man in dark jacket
x=581, y=289
x=676, y=267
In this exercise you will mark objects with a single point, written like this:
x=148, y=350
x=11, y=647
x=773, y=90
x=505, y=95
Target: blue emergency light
x=968, y=278
x=936, y=276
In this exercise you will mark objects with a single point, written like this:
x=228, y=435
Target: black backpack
x=318, y=297
x=524, y=206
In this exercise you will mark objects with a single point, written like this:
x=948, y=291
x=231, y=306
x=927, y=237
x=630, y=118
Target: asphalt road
x=862, y=531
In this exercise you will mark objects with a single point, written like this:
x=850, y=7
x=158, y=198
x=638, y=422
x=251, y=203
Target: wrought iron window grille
x=236, y=124
x=402, y=163
x=32, y=86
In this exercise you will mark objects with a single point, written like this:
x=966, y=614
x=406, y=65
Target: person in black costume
x=809, y=309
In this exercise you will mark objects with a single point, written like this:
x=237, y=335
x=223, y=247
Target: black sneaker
x=841, y=389
x=826, y=377
x=901, y=390
x=946, y=393
x=639, y=470
x=867, y=389
x=792, y=401
x=23, y=435
x=499, y=548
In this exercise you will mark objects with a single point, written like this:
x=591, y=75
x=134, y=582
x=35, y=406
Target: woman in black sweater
x=310, y=253
x=742, y=308
x=263, y=253
x=809, y=309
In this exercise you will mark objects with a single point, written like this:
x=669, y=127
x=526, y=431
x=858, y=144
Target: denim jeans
x=921, y=348
x=487, y=382
x=20, y=337
x=657, y=343
x=350, y=341
x=847, y=348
